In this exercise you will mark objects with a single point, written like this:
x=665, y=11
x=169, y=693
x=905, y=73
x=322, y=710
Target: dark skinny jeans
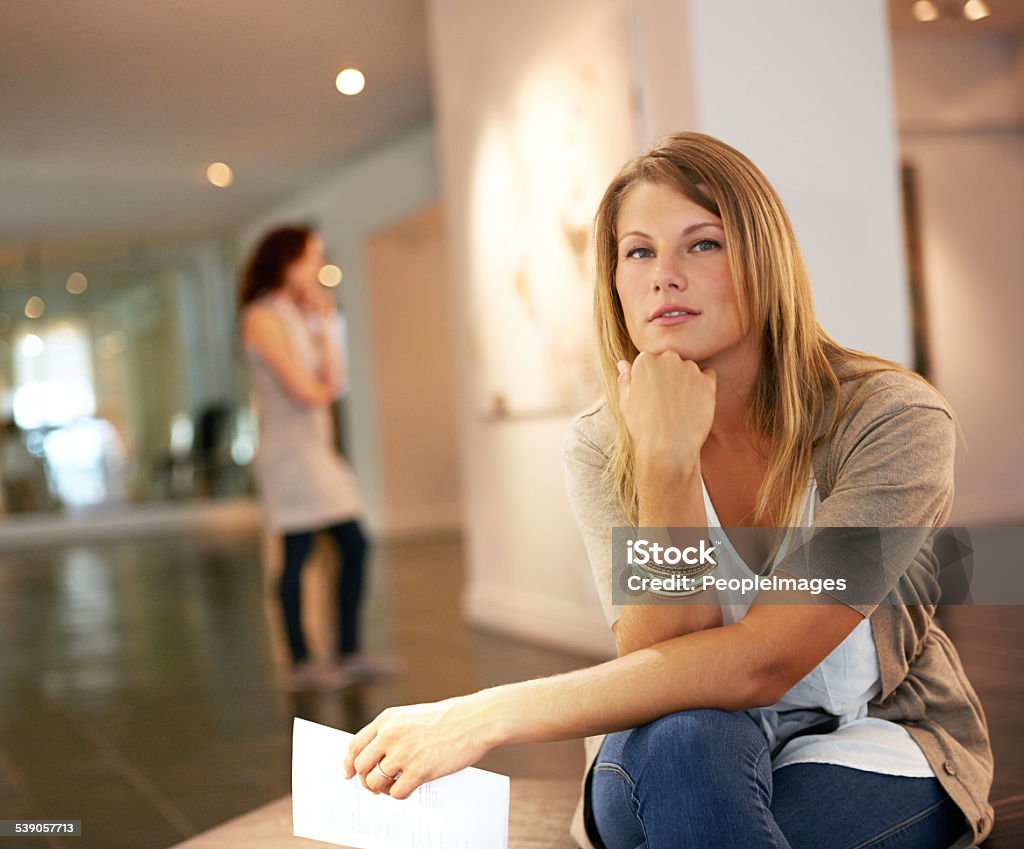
x=352, y=546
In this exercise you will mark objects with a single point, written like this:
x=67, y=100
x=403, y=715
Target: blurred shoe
x=361, y=666
x=331, y=678
x=302, y=677
x=311, y=677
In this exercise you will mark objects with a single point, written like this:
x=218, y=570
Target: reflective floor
x=138, y=680
x=990, y=641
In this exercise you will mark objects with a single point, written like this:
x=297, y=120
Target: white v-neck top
x=841, y=685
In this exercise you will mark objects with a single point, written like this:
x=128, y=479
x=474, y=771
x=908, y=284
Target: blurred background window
x=53, y=382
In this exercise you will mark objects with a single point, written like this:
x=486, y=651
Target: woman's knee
x=670, y=773
x=692, y=735
x=698, y=748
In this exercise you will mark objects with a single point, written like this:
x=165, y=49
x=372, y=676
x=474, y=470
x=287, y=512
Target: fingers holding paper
x=405, y=747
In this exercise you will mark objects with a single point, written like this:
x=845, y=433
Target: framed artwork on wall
x=915, y=270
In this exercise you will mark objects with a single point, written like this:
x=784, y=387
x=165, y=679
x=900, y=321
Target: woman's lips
x=667, y=318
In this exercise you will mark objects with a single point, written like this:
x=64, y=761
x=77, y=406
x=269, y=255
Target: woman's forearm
x=670, y=497
x=725, y=668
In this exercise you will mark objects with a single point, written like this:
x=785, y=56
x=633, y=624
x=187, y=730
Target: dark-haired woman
x=290, y=332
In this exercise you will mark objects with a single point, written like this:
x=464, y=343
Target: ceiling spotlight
x=925, y=11
x=975, y=10
x=220, y=175
x=350, y=81
x=77, y=283
x=34, y=307
x=330, y=275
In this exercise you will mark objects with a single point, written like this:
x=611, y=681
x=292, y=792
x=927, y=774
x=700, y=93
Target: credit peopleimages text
x=684, y=583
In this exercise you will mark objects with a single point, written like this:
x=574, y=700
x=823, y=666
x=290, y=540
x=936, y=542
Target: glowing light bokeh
x=34, y=307
x=350, y=81
x=77, y=283
x=220, y=174
x=330, y=275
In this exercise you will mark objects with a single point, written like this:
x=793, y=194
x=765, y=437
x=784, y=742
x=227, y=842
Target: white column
x=802, y=87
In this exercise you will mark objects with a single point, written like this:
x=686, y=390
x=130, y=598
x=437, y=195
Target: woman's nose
x=666, y=277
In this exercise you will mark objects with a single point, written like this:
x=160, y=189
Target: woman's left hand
x=416, y=744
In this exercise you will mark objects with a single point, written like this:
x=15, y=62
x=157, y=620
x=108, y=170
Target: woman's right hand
x=668, y=404
x=405, y=747
x=316, y=300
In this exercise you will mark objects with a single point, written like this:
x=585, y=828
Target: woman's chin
x=678, y=350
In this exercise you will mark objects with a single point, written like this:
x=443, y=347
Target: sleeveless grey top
x=304, y=483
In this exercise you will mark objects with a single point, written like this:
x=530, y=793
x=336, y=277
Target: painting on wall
x=915, y=271
x=549, y=150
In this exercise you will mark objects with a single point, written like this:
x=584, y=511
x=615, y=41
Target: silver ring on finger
x=381, y=771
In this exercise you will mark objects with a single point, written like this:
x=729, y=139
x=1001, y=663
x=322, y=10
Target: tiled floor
x=137, y=681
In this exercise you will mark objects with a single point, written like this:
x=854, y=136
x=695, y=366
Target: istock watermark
x=643, y=552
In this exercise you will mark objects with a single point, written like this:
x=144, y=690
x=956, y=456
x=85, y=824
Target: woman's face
x=300, y=275
x=673, y=278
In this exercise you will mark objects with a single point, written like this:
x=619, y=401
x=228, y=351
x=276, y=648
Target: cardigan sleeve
x=585, y=455
x=891, y=470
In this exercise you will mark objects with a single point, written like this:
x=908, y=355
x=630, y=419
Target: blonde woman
x=798, y=724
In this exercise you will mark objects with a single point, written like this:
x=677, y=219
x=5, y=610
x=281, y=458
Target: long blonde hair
x=802, y=366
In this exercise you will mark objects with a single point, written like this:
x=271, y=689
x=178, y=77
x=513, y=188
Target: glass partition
x=120, y=382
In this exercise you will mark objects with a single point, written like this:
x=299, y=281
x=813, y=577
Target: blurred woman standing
x=290, y=330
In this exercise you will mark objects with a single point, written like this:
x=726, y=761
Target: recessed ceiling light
x=220, y=175
x=330, y=275
x=925, y=11
x=350, y=81
x=77, y=283
x=34, y=307
x=975, y=10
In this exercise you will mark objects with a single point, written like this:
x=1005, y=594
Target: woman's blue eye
x=639, y=252
x=705, y=245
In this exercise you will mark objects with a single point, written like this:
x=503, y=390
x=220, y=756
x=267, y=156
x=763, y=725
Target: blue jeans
x=702, y=779
x=352, y=546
